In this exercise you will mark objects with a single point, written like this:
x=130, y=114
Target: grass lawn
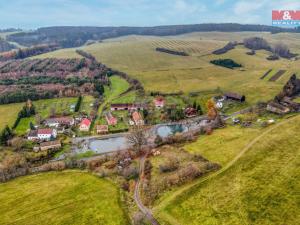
x=130, y=97
x=86, y=104
x=223, y=144
x=9, y=114
x=259, y=188
x=69, y=197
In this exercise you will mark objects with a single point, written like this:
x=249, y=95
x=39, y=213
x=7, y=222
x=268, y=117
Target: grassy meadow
x=169, y=73
x=259, y=188
x=9, y=114
x=69, y=197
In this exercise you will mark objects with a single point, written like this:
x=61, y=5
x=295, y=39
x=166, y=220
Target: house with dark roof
x=235, y=97
x=59, y=122
x=127, y=106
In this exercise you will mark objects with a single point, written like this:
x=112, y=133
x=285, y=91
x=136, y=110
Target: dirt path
x=172, y=197
x=147, y=212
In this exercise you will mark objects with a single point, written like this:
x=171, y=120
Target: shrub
x=130, y=172
x=170, y=165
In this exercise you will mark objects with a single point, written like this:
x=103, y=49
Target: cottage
x=102, y=129
x=235, y=97
x=277, y=108
x=159, y=102
x=42, y=134
x=137, y=118
x=111, y=120
x=60, y=122
x=126, y=106
x=85, y=125
x=190, y=112
x=49, y=145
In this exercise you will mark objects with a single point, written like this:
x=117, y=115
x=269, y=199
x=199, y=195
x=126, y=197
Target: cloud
x=189, y=7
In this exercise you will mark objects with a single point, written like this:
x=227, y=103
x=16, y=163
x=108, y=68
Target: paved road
x=147, y=212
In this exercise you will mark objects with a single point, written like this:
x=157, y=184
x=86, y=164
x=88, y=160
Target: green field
x=9, y=114
x=68, y=197
x=260, y=187
x=169, y=73
x=87, y=104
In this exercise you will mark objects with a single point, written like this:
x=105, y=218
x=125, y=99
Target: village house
x=49, y=145
x=85, y=125
x=60, y=122
x=111, y=120
x=102, y=129
x=159, y=102
x=137, y=118
x=190, y=112
x=45, y=134
x=129, y=107
x=277, y=108
x=234, y=97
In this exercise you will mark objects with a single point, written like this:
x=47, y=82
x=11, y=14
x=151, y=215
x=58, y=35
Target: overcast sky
x=29, y=14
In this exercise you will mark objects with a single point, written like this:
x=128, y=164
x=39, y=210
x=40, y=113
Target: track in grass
x=266, y=74
x=277, y=75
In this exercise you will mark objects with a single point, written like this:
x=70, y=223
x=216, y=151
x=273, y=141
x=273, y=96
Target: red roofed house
x=159, y=102
x=111, y=120
x=190, y=112
x=42, y=134
x=137, y=118
x=85, y=125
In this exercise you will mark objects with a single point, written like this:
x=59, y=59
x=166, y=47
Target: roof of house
x=59, y=120
x=234, y=95
x=85, y=122
x=159, y=100
x=33, y=133
x=136, y=116
x=50, y=143
x=45, y=131
x=102, y=127
x=109, y=116
x=127, y=105
x=190, y=110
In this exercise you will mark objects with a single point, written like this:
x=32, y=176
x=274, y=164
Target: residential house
x=159, y=102
x=137, y=118
x=111, y=120
x=45, y=134
x=85, y=125
x=126, y=106
x=190, y=112
x=234, y=97
x=49, y=145
x=102, y=129
x=60, y=122
x=277, y=108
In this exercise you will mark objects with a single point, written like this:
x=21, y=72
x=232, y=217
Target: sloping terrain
x=259, y=188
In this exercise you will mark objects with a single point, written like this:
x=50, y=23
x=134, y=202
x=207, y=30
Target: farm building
x=137, y=118
x=129, y=107
x=159, y=102
x=234, y=97
x=111, y=120
x=59, y=122
x=102, y=129
x=277, y=108
x=50, y=145
x=42, y=134
x=85, y=125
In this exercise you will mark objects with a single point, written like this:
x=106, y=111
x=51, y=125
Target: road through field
x=168, y=218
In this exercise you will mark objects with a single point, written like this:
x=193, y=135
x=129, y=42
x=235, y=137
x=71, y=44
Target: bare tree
x=137, y=137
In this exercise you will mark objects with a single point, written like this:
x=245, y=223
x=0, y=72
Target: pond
x=109, y=145
x=169, y=130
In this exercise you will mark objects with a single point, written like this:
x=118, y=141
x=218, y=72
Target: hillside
x=259, y=188
x=61, y=198
x=157, y=71
x=68, y=36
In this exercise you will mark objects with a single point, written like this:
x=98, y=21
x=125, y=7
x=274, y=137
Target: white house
x=42, y=134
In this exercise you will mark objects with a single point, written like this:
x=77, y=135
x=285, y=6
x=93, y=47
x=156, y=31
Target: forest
x=74, y=36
